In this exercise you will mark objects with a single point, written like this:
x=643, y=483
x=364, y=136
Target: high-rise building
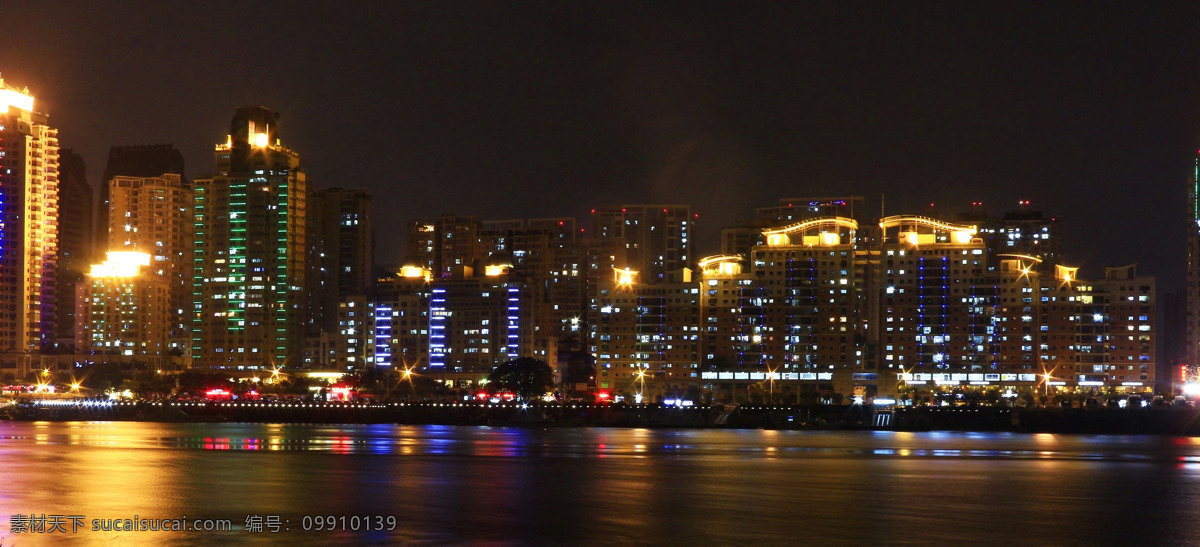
x=402, y=319
x=479, y=322
x=936, y=304
x=75, y=207
x=253, y=252
x=1023, y=231
x=1191, y=362
x=544, y=255
x=723, y=285
x=804, y=312
x=29, y=200
x=653, y=240
x=444, y=245
x=646, y=336
x=346, y=249
x=123, y=310
x=132, y=161
x=153, y=215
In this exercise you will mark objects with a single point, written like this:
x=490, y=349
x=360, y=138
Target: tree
x=525, y=376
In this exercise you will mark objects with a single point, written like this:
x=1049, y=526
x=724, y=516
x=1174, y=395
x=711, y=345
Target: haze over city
x=524, y=110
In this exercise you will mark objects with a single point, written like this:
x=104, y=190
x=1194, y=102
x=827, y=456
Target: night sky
x=538, y=109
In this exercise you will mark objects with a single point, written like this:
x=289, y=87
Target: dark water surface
x=453, y=485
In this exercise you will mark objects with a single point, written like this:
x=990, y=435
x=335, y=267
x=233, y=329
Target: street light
x=771, y=382
x=1047, y=376
x=641, y=378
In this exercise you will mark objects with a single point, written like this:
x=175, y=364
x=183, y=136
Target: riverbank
x=1158, y=420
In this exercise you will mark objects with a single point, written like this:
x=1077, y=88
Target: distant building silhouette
x=75, y=238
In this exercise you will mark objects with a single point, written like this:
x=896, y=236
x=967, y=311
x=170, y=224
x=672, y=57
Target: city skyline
x=519, y=112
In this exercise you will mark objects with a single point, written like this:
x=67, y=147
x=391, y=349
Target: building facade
x=154, y=215
x=253, y=255
x=124, y=310
x=346, y=249
x=74, y=239
x=29, y=217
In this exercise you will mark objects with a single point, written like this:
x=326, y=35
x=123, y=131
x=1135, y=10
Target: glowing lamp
x=912, y=238
x=121, y=264
x=260, y=140
x=413, y=272
x=776, y=240
x=9, y=98
x=625, y=276
x=830, y=238
x=962, y=236
x=1066, y=274
x=495, y=270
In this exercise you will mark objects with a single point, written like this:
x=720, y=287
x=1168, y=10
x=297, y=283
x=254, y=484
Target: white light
x=9, y=98
x=884, y=402
x=121, y=264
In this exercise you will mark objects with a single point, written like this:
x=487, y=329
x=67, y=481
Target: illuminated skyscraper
x=28, y=225
x=153, y=215
x=252, y=255
x=646, y=336
x=122, y=309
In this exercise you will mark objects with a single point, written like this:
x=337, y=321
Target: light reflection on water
x=459, y=484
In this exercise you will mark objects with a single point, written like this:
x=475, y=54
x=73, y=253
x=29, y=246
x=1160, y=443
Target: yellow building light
x=260, y=140
x=909, y=220
x=496, y=269
x=625, y=276
x=912, y=238
x=10, y=98
x=1065, y=274
x=121, y=264
x=413, y=272
x=963, y=236
x=775, y=240
x=721, y=265
x=830, y=238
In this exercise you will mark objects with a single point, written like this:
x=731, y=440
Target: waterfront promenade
x=1169, y=420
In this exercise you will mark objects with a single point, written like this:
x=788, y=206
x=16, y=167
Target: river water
x=515, y=486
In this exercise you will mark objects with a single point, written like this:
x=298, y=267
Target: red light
x=593, y=211
x=664, y=210
x=931, y=205
x=602, y=395
x=560, y=223
x=697, y=215
x=622, y=210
